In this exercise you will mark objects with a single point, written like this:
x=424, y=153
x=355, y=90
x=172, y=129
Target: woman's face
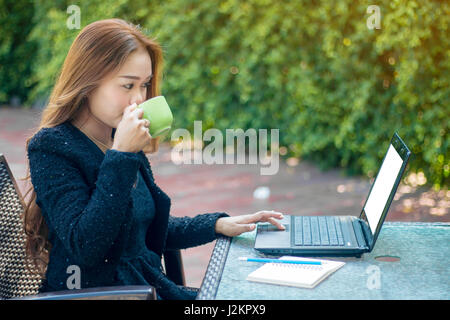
x=127, y=86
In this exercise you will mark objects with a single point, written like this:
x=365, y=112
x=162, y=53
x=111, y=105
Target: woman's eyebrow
x=134, y=77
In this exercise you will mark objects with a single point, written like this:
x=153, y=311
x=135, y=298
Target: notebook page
x=296, y=275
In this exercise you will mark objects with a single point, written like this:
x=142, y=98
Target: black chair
x=17, y=282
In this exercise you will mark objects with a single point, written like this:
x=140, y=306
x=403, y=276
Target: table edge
x=213, y=275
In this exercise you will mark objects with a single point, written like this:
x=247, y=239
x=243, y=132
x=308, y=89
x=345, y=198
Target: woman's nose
x=138, y=99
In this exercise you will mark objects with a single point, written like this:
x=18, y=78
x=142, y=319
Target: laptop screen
x=382, y=188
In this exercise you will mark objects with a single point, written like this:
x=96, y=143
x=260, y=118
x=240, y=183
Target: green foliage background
x=336, y=90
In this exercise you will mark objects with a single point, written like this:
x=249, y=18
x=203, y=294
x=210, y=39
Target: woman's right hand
x=132, y=131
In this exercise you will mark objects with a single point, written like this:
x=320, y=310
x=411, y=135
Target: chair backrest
x=15, y=278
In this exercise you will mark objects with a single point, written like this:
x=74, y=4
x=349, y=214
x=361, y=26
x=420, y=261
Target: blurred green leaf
x=336, y=90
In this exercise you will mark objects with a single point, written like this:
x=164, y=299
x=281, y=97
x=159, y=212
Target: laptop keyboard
x=317, y=231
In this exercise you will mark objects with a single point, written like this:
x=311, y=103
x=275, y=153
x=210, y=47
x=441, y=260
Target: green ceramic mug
x=157, y=111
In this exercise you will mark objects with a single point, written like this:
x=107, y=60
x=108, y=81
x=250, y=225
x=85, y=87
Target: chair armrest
x=98, y=293
x=174, y=266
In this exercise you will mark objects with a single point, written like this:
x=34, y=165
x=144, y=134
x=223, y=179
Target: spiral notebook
x=296, y=275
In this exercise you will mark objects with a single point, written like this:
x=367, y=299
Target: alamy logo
x=374, y=279
x=73, y=21
x=374, y=20
x=74, y=280
x=213, y=153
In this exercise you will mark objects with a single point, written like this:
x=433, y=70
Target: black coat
x=84, y=196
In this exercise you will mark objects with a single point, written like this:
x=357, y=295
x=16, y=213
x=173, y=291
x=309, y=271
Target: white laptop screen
x=384, y=183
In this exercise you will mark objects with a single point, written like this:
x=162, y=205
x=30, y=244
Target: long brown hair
x=99, y=49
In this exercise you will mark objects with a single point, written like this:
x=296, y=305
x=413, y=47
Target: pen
x=317, y=263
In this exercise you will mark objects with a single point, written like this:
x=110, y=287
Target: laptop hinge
x=364, y=232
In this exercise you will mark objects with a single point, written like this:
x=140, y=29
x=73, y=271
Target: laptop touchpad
x=269, y=236
x=271, y=227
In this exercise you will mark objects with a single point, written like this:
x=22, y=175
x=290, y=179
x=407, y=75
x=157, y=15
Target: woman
x=94, y=202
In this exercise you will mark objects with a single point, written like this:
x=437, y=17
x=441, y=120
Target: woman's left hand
x=153, y=146
x=234, y=226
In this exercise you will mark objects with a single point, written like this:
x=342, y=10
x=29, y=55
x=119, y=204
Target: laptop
x=340, y=235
